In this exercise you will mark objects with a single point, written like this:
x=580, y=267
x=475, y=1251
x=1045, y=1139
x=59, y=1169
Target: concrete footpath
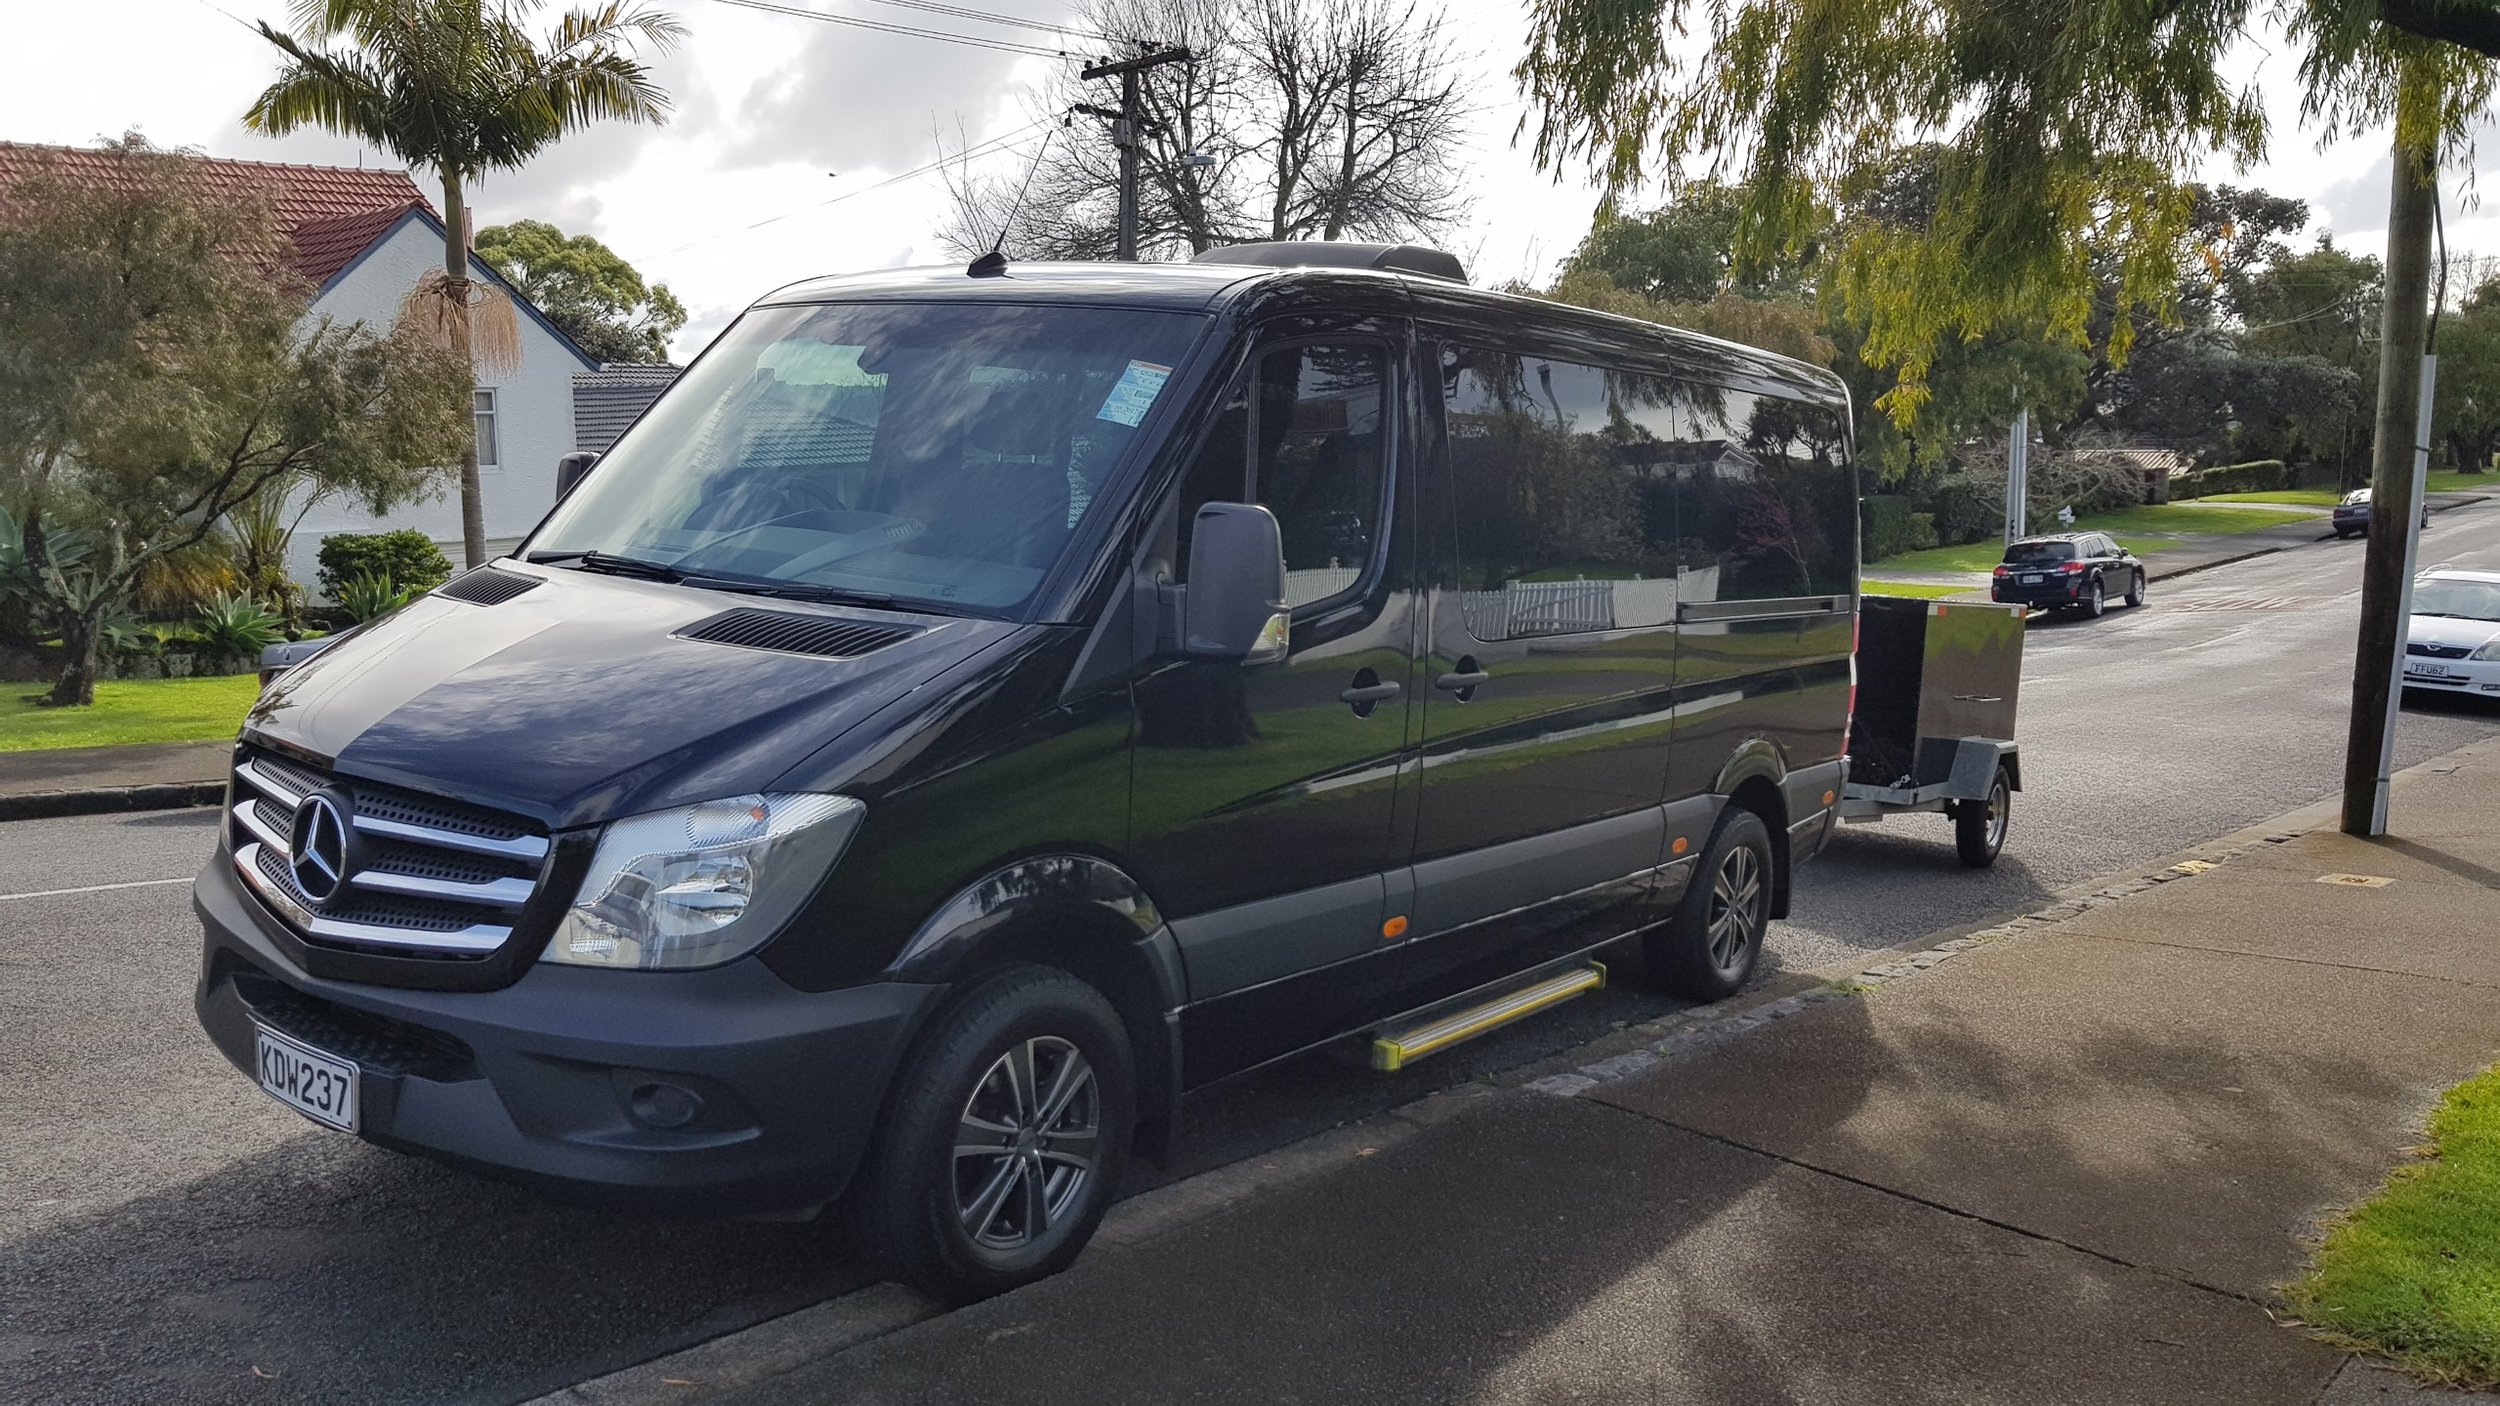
x=91, y=780
x=2065, y=1160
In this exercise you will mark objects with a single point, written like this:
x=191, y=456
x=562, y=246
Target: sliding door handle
x=1369, y=693
x=1462, y=681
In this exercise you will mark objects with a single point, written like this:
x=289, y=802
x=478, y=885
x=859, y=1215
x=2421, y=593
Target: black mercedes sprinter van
x=973, y=709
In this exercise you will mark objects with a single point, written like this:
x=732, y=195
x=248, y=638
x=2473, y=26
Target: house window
x=487, y=454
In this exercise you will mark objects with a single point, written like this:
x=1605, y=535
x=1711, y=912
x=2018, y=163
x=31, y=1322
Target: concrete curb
x=107, y=800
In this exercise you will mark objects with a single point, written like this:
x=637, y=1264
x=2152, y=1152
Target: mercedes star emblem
x=320, y=844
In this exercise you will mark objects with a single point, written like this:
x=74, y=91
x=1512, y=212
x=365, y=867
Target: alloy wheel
x=1027, y=1145
x=1737, y=907
x=2000, y=813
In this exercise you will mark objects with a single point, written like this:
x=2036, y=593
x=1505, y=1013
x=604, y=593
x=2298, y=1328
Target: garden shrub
x=1893, y=527
x=407, y=559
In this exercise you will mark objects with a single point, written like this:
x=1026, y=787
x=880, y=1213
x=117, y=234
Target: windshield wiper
x=612, y=564
x=641, y=569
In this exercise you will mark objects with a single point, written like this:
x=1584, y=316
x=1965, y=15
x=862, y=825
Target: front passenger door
x=1264, y=796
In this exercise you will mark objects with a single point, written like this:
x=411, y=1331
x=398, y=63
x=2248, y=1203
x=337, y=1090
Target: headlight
x=2489, y=653
x=699, y=886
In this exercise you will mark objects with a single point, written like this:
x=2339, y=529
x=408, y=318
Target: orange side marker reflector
x=1827, y=797
x=1682, y=844
x=1395, y=927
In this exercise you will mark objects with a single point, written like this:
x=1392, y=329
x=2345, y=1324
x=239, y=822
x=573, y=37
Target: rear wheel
x=1005, y=1136
x=1979, y=826
x=2096, y=605
x=2135, y=596
x=1708, y=950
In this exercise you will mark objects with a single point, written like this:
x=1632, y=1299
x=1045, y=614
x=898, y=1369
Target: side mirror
x=1233, y=608
x=570, y=470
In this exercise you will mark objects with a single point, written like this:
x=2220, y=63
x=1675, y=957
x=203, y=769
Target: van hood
x=578, y=700
x=2450, y=632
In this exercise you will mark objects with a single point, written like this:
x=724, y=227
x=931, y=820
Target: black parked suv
x=972, y=710
x=2068, y=570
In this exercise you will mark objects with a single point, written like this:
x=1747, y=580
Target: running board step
x=1396, y=1049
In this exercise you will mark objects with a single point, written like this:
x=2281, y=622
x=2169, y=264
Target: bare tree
x=1300, y=119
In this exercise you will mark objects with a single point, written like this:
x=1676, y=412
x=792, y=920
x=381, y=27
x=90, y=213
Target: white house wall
x=534, y=411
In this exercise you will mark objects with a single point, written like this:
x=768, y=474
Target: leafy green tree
x=460, y=88
x=2060, y=131
x=1685, y=251
x=2465, y=410
x=599, y=300
x=158, y=377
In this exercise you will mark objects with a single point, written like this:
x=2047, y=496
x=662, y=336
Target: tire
x=1708, y=950
x=2135, y=597
x=2342, y=535
x=2096, y=605
x=960, y=1225
x=1979, y=828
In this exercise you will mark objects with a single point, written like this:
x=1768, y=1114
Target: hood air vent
x=819, y=635
x=486, y=586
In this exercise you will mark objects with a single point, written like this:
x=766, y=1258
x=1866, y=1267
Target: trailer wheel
x=1979, y=829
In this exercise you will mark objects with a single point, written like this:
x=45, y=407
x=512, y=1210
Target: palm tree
x=459, y=87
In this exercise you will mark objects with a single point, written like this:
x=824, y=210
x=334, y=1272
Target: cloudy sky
x=733, y=196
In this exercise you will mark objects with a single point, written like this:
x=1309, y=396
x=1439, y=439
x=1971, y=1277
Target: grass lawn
x=1918, y=589
x=1981, y=556
x=2414, y=1272
x=128, y=710
x=2179, y=517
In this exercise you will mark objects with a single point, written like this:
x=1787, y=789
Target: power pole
x=1127, y=127
x=2400, y=435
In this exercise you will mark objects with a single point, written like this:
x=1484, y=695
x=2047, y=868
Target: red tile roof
x=332, y=213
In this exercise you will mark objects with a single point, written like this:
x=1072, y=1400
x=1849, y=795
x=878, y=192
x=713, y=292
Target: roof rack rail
x=1315, y=253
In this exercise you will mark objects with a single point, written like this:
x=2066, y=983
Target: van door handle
x=1462, y=681
x=1361, y=694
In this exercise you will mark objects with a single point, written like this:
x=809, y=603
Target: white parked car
x=2452, y=642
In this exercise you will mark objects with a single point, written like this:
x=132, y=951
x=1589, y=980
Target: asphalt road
x=169, y=1234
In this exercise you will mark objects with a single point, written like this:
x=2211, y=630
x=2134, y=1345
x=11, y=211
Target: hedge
x=407, y=558
x=1893, y=527
x=2256, y=476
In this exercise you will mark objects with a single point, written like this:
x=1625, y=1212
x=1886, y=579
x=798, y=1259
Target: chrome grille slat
x=494, y=893
x=524, y=847
x=441, y=879
x=474, y=940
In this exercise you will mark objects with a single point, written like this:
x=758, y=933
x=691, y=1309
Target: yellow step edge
x=1395, y=1052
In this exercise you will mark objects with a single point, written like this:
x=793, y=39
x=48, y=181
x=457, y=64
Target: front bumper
x=550, y=1080
x=2476, y=678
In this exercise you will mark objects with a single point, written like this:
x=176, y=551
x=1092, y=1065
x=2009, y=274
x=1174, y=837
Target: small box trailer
x=1934, y=727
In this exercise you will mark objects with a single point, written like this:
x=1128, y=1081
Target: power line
x=977, y=149
x=975, y=41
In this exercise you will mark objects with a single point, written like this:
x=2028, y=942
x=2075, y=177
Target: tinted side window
x=1307, y=438
x=1565, y=521
x=1766, y=502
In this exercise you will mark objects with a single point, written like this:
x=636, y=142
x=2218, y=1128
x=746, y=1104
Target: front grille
x=2439, y=651
x=436, y=878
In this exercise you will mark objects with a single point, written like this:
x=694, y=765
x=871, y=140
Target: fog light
x=663, y=1105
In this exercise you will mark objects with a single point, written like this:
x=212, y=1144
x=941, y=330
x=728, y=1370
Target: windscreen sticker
x=1135, y=394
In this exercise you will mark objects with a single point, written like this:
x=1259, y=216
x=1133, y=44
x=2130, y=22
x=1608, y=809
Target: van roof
x=1214, y=287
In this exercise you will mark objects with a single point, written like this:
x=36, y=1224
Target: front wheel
x=2135, y=595
x=1979, y=827
x=1006, y=1133
x=1707, y=951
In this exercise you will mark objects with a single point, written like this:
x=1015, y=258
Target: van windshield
x=937, y=453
